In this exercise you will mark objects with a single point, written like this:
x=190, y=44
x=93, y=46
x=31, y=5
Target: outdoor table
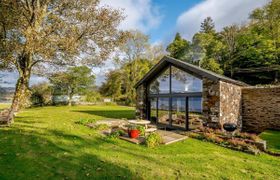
x=140, y=122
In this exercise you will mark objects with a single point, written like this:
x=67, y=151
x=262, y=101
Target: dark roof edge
x=190, y=67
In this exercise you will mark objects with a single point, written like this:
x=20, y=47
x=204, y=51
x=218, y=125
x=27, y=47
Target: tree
x=229, y=37
x=118, y=84
x=178, y=48
x=75, y=80
x=65, y=32
x=206, y=47
x=41, y=94
x=212, y=65
x=207, y=26
x=155, y=53
x=132, y=53
x=113, y=86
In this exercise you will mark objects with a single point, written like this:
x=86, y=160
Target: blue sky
x=161, y=19
x=170, y=11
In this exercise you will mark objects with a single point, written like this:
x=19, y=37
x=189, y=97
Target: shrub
x=142, y=130
x=213, y=138
x=93, y=96
x=153, y=140
x=196, y=136
x=252, y=137
x=85, y=121
x=236, y=142
x=41, y=94
x=116, y=134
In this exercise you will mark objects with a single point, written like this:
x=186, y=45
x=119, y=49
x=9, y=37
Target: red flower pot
x=134, y=133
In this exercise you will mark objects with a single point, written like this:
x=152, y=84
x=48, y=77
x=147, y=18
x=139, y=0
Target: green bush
x=116, y=134
x=141, y=129
x=41, y=94
x=196, y=136
x=153, y=140
x=85, y=121
x=93, y=96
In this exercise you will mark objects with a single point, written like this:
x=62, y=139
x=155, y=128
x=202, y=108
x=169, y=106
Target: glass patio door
x=179, y=112
x=163, y=111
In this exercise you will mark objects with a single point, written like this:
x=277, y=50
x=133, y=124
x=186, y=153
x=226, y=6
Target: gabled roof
x=202, y=73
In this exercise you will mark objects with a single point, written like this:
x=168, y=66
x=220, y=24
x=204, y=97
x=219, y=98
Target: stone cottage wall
x=211, y=105
x=260, y=109
x=230, y=104
x=141, y=104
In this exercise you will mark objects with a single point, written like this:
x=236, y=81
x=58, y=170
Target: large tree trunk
x=22, y=92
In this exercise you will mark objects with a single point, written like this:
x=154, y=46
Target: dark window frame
x=171, y=95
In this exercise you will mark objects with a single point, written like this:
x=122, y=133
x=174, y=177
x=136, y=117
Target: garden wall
x=221, y=103
x=260, y=109
x=230, y=104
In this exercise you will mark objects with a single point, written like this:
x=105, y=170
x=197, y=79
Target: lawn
x=3, y=106
x=45, y=143
x=273, y=140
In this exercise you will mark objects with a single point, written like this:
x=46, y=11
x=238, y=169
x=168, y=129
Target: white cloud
x=140, y=14
x=223, y=12
x=9, y=79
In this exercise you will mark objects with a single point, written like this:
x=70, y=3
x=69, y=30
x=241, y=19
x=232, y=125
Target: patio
x=168, y=137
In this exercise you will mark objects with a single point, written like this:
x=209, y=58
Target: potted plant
x=133, y=132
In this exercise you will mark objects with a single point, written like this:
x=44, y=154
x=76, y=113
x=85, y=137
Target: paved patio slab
x=168, y=137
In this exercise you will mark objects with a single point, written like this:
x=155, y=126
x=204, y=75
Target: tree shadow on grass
x=113, y=114
x=53, y=154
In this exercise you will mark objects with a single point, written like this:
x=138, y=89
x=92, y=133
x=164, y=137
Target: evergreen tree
x=178, y=48
x=207, y=26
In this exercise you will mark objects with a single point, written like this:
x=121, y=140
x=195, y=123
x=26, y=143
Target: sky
x=161, y=19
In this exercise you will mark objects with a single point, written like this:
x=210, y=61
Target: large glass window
x=178, y=105
x=163, y=110
x=153, y=116
x=195, y=112
x=179, y=112
x=161, y=84
x=183, y=82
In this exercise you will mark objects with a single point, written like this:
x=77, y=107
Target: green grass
x=45, y=143
x=273, y=140
x=3, y=106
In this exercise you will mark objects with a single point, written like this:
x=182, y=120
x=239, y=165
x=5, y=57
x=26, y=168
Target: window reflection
x=195, y=112
x=161, y=84
x=179, y=112
x=183, y=82
x=163, y=110
x=154, y=109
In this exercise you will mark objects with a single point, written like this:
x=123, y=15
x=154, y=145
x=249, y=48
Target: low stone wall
x=260, y=109
x=230, y=104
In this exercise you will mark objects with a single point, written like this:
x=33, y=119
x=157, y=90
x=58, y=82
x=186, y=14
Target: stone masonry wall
x=230, y=104
x=141, y=104
x=211, y=102
x=260, y=109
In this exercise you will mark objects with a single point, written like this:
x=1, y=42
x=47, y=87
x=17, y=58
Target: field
x=45, y=143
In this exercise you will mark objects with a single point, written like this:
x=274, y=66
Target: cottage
x=179, y=95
